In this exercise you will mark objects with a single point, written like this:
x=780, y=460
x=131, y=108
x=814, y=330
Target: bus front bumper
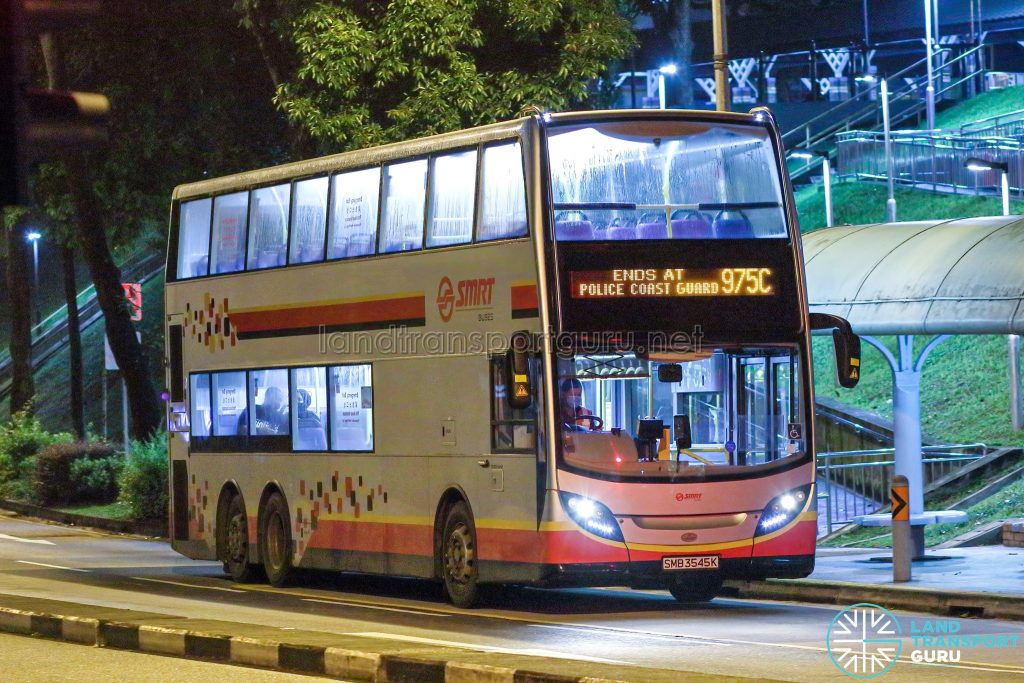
x=651, y=574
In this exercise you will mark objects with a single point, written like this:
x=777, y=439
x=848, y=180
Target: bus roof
x=425, y=145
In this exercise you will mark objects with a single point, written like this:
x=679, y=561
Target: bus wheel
x=696, y=588
x=458, y=557
x=276, y=541
x=235, y=552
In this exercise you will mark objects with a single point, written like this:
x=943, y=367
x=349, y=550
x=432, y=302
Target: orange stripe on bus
x=524, y=297
x=380, y=310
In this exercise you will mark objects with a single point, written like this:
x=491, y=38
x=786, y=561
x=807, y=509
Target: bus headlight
x=591, y=515
x=782, y=510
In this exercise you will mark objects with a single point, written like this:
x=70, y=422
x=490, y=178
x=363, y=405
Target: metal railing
x=853, y=483
x=932, y=160
x=864, y=110
x=1009, y=125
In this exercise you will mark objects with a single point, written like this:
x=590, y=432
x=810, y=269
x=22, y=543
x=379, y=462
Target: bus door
x=766, y=394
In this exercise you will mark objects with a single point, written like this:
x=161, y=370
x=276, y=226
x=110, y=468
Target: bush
x=95, y=479
x=55, y=480
x=143, y=480
x=20, y=440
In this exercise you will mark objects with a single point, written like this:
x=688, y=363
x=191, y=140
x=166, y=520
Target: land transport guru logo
x=864, y=640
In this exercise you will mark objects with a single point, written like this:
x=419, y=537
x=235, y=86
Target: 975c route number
x=674, y=564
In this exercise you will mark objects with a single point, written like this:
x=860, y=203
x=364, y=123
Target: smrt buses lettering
x=475, y=292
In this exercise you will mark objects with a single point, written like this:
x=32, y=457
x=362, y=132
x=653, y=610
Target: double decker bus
x=564, y=350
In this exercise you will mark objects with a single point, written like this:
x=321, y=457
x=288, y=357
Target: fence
x=852, y=483
x=929, y=160
x=1010, y=125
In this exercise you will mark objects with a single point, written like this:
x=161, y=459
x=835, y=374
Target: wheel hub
x=460, y=555
x=238, y=540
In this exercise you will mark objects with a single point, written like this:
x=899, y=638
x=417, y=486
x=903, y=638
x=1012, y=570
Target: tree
x=352, y=73
x=177, y=75
x=18, y=279
x=673, y=18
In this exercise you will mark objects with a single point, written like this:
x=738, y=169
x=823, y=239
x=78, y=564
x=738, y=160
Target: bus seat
x=651, y=231
x=360, y=245
x=574, y=230
x=692, y=226
x=733, y=228
x=200, y=265
x=622, y=232
x=310, y=437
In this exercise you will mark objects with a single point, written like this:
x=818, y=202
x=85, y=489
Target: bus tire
x=235, y=549
x=459, y=557
x=696, y=588
x=276, y=541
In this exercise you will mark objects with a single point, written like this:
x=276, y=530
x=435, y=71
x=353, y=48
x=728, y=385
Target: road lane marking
x=351, y=603
x=188, y=585
x=38, y=541
x=534, y=652
x=52, y=566
x=710, y=640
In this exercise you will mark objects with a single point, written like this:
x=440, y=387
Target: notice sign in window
x=630, y=283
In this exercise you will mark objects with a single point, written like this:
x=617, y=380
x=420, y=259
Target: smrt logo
x=680, y=497
x=466, y=294
x=445, y=299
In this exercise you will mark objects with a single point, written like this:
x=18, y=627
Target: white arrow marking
x=38, y=541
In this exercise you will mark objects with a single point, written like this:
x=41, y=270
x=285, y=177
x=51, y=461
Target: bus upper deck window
x=452, y=189
x=405, y=196
x=268, y=226
x=309, y=221
x=353, y=229
x=194, y=238
x=229, y=225
x=502, y=193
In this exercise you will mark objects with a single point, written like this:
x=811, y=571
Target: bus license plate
x=674, y=564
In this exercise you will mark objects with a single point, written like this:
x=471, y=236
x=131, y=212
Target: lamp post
x=890, y=203
x=667, y=70
x=930, y=91
x=981, y=166
x=826, y=170
x=34, y=236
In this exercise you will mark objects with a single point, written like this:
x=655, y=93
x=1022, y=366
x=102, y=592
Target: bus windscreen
x=647, y=180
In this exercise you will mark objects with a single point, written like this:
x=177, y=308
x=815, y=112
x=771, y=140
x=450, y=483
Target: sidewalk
x=985, y=581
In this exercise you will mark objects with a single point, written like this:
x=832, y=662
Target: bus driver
x=575, y=417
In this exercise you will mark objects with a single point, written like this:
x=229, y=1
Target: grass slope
x=52, y=383
x=991, y=103
x=965, y=390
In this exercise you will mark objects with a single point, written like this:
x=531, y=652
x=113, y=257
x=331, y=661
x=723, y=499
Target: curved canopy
x=962, y=276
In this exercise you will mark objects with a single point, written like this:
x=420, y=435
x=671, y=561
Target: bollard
x=902, y=540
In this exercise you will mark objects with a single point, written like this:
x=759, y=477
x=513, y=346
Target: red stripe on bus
x=524, y=297
x=797, y=541
x=508, y=545
x=374, y=311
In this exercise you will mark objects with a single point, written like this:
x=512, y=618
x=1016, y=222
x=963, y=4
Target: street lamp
x=33, y=236
x=890, y=203
x=826, y=169
x=930, y=91
x=667, y=70
x=982, y=165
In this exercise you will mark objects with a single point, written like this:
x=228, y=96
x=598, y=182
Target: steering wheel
x=596, y=423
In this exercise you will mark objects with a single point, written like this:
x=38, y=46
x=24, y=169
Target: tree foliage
x=353, y=73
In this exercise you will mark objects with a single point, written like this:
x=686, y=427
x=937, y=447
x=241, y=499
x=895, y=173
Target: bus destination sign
x=631, y=283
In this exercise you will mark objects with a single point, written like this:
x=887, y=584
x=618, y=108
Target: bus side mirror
x=847, y=347
x=518, y=387
x=684, y=439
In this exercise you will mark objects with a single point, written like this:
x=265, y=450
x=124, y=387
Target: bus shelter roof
x=963, y=276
